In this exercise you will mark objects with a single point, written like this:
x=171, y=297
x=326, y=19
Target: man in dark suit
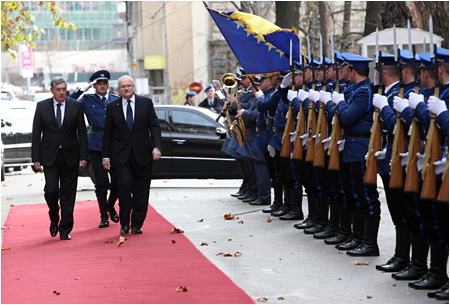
x=211, y=101
x=94, y=106
x=59, y=143
x=131, y=141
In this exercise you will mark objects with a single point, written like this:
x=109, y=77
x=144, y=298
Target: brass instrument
x=229, y=81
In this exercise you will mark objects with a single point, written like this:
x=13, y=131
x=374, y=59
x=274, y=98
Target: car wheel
x=37, y=170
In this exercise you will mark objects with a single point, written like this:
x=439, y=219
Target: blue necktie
x=129, y=116
x=58, y=115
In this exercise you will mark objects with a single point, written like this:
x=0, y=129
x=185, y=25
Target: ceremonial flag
x=260, y=46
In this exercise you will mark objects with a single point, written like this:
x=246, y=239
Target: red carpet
x=147, y=268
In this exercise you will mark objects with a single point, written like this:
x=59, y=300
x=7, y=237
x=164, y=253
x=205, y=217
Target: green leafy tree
x=18, y=24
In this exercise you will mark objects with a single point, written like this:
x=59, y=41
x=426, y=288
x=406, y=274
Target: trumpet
x=229, y=81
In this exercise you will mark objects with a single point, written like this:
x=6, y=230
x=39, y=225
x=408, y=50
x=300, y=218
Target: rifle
x=319, y=156
x=333, y=150
x=297, y=153
x=396, y=179
x=432, y=144
x=286, y=148
x=370, y=176
x=312, y=120
x=412, y=172
x=443, y=191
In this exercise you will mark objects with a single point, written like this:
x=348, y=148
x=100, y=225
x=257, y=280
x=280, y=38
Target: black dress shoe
x=365, y=249
x=273, y=208
x=53, y=229
x=236, y=194
x=104, y=223
x=124, y=230
x=432, y=294
x=390, y=261
x=326, y=233
x=259, y=202
x=339, y=238
x=292, y=216
x=316, y=229
x=410, y=273
x=114, y=216
x=64, y=236
x=396, y=266
x=429, y=282
x=249, y=199
x=349, y=245
x=136, y=231
x=243, y=196
x=442, y=293
x=280, y=212
x=306, y=224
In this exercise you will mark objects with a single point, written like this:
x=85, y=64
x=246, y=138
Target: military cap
x=406, y=57
x=191, y=93
x=327, y=61
x=441, y=55
x=100, y=75
x=339, y=59
x=386, y=59
x=297, y=68
x=210, y=86
x=356, y=61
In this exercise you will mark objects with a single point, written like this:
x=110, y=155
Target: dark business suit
x=130, y=154
x=60, y=151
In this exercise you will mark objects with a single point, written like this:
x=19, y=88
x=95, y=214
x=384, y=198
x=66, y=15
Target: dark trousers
x=61, y=184
x=134, y=190
x=361, y=197
x=395, y=199
x=263, y=181
x=102, y=182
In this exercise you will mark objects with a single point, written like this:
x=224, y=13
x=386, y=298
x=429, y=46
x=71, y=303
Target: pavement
x=274, y=263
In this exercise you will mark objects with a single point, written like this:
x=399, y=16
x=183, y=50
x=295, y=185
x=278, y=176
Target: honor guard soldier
x=356, y=115
x=191, y=96
x=211, y=101
x=94, y=106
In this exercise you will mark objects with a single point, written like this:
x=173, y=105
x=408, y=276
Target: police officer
x=94, y=106
x=211, y=101
x=191, y=96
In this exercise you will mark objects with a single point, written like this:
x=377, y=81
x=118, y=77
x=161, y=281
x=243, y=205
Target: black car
x=191, y=145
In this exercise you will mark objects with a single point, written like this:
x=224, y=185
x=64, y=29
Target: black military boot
x=278, y=200
x=332, y=225
x=437, y=275
x=344, y=232
x=432, y=294
x=418, y=266
x=311, y=220
x=357, y=234
x=286, y=207
x=296, y=212
x=369, y=245
x=442, y=294
x=400, y=260
x=102, y=204
x=322, y=217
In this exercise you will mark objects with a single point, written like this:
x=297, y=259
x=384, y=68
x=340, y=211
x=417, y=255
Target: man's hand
x=83, y=163
x=313, y=95
x=302, y=95
x=37, y=165
x=415, y=99
x=291, y=95
x=337, y=97
x=436, y=106
x=86, y=88
x=106, y=164
x=239, y=113
x=287, y=81
x=400, y=104
x=380, y=155
x=156, y=154
x=379, y=101
x=259, y=94
x=324, y=96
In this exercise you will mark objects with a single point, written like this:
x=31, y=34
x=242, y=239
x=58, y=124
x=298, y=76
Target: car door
x=196, y=148
x=163, y=167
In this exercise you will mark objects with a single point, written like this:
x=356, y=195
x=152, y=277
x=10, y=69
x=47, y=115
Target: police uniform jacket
x=95, y=111
x=421, y=112
x=356, y=118
x=261, y=141
x=215, y=107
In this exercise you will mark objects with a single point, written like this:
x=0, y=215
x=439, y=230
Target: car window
x=190, y=122
x=162, y=117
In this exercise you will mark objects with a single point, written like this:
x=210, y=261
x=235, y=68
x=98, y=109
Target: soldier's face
x=210, y=93
x=59, y=92
x=101, y=87
x=265, y=85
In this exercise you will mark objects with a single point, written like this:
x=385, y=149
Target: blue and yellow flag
x=260, y=46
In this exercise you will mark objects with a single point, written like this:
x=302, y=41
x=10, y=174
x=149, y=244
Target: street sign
x=196, y=87
x=26, y=61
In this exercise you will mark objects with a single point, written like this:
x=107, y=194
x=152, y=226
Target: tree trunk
x=394, y=12
x=287, y=14
x=346, y=25
x=323, y=26
x=439, y=13
x=373, y=18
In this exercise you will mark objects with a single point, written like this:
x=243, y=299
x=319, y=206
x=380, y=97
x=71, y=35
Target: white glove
x=337, y=97
x=379, y=101
x=376, y=78
x=292, y=136
x=291, y=95
x=313, y=95
x=436, y=106
x=86, y=88
x=380, y=155
x=259, y=94
x=271, y=150
x=415, y=99
x=324, y=96
x=326, y=143
x=304, y=138
x=439, y=166
x=302, y=95
x=287, y=81
x=341, y=144
x=400, y=104
x=420, y=158
x=404, y=158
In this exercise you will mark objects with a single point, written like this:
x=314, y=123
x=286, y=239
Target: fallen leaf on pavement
x=394, y=285
x=241, y=222
x=173, y=241
x=182, y=288
x=263, y=299
x=176, y=230
x=229, y=217
x=6, y=249
x=229, y=254
x=109, y=241
x=29, y=185
x=121, y=240
x=204, y=244
x=120, y=257
x=77, y=278
x=369, y=296
x=201, y=220
x=9, y=198
x=360, y=263
x=6, y=228
x=280, y=298
x=56, y=292
x=339, y=252
x=269, y=219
